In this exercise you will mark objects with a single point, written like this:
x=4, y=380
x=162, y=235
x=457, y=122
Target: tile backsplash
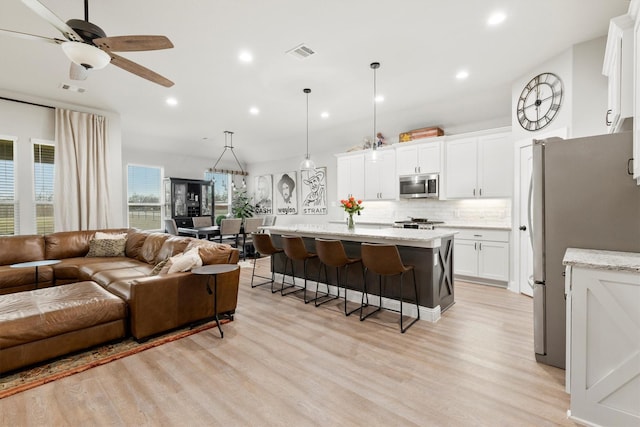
x=472, y=211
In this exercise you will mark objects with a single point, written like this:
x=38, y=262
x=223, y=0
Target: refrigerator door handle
x=530, y=202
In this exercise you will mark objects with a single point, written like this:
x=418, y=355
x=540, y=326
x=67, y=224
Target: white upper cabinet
x=634, y=11
x=479, y=167
x=380, y=180
x=419, y=158
x=618, y=67
x=350, y=176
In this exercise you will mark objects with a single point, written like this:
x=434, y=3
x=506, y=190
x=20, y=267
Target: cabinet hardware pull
x=474, y=191
x=629, y=167
x=480, y=245
x=606, y=118
x=481, y=191
x=475, y=246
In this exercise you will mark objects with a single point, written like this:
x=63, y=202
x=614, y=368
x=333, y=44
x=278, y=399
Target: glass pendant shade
x=307, y=164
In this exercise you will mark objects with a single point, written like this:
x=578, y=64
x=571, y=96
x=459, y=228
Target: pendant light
x=307, y=164
x=230, y=148
x=374, y=141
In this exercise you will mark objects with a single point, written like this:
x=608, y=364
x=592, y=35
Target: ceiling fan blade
x=51, y=17
x=77, y=72
x=133, y=43
x=31, y=37
x=139, y=70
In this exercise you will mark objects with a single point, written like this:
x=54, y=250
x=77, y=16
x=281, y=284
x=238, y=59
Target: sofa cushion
x=107, y=277
x=158, y=267
x=100, y=235
x=135, y=240
x=17, y=277
x=71, y=244
x=43, y=313
x=88, y=270
x=15, y=249
x=69, y=268
x=172, y=246
x=151, y=247
x=106, y=247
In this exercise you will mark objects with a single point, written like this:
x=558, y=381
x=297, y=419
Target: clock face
x=539, y=101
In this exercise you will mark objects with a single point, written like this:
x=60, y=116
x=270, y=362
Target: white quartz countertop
x=397, y=236
x=447, y=224
x=602, y=260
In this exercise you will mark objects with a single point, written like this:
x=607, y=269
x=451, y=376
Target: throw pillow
x=106, y=247
x=186, y=262
x=158, y=267
x=101, y=235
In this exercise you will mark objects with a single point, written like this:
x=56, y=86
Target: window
x=221, y=194
x=7, y=188
x=43, y=173
x=144, y=189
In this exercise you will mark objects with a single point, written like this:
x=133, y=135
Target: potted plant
x=241, y=206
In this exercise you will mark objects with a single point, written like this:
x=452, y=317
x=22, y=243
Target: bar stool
x=264, y=246
x=332, y=254
x=295, y=250
x=384, y=260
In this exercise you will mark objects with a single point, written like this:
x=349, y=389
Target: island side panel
x=435, y=285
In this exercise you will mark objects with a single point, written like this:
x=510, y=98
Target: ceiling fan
x=89, y=48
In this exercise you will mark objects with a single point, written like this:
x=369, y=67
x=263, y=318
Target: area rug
x=82, y=361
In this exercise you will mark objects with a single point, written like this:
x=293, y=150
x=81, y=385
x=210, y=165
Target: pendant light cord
x=307, y=91
x=374, y=66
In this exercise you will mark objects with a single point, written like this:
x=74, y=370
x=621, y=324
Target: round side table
x=213, y=270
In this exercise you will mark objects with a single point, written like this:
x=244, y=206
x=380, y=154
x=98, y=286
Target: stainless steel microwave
x=419, y=186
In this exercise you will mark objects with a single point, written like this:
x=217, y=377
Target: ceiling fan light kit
x=90, y=57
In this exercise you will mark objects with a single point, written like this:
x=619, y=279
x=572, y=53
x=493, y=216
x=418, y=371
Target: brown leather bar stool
x=385, y=261
x=332, y=254
x=295, y=250
x=264, y=246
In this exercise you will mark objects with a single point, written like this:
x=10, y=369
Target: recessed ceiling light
x=324, y=115
x=172, y=101
x=496, y=18
x=254, y=111
x=245, y=56
x=379, y=98
x=462, y=74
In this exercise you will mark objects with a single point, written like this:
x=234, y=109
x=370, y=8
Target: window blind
x=8, y=209
x=43, y=176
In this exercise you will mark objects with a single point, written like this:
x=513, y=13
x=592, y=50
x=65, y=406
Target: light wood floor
x=285, y=363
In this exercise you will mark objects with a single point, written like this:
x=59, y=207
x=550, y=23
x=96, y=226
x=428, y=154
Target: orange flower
x=349, y=205
x=359, y=201
x=351, y=199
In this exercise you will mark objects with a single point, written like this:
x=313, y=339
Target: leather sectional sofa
x=83, y=301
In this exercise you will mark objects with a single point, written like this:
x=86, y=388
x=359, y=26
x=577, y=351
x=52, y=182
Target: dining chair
x=269, y=220
x=170, y=226
x=202, y=221
x=229, y=231
x=250, y=227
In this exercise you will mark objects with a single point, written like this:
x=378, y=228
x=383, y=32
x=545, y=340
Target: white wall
x=30, y=122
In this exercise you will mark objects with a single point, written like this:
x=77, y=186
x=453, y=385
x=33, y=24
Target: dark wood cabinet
x=187, y=198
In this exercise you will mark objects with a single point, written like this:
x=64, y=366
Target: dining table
x=200, y=232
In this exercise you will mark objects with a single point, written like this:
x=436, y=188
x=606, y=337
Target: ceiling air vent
x=71, y=88
x=301, y=51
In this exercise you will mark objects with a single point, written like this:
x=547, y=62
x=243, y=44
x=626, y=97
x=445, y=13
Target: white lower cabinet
x=481, y=254
x=603, y=348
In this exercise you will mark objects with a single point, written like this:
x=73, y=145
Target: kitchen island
x=430, y=251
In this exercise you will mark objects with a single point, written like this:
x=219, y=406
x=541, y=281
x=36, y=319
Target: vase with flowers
x=351, y=206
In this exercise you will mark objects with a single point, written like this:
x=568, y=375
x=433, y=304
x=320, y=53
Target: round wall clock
x=539, y=101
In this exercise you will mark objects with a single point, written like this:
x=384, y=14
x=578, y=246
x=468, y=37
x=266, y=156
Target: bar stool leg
x=365, y=291
x=346, y=277
x=293, y=278
x=415, y=286
x=327, y=294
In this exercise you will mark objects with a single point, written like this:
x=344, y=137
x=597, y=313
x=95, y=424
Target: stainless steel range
x=417, y=223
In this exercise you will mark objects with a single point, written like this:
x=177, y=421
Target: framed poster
x=314, y=191
x=286, y=200
x=264, y=195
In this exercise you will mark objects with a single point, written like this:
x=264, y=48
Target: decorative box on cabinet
x=185, y=199
x=479, y=167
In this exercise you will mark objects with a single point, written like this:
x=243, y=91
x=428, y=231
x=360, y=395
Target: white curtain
x=81, y=200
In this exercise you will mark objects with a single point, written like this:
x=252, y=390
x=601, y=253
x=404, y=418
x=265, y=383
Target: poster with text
x=264, y=195
x=286, y=200
x=314, y=191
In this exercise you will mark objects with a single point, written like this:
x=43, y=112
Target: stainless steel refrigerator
x=582, y=197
